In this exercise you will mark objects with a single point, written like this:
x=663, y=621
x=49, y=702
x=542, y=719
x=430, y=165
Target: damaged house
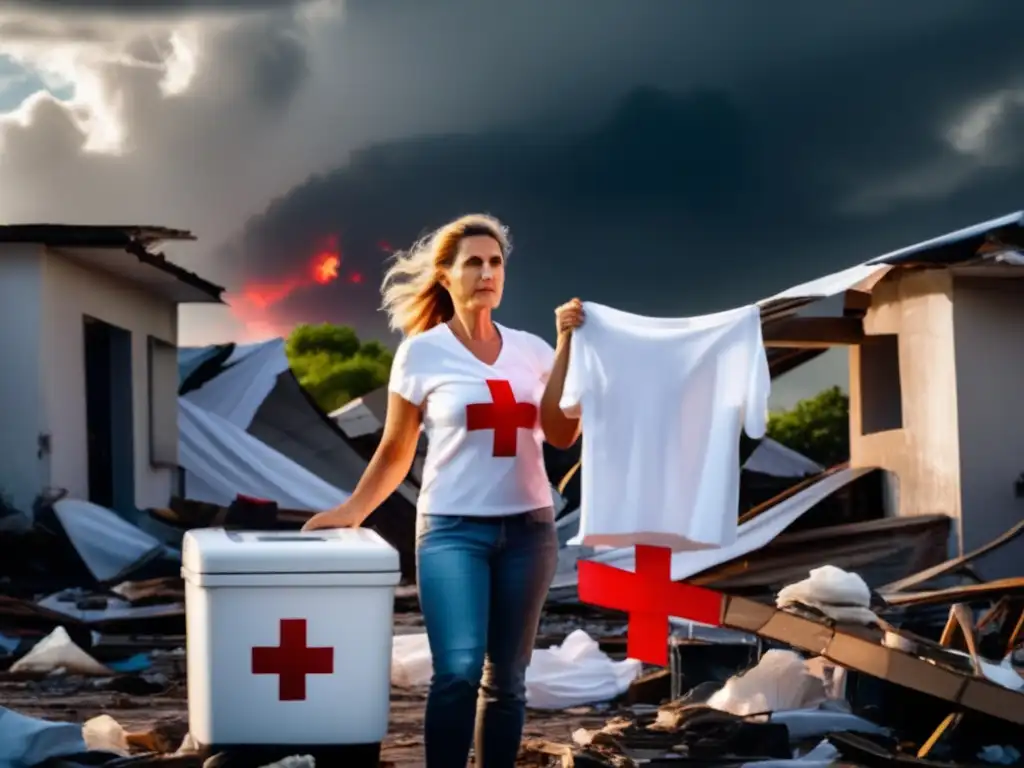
x=90, y=318
x=934, y=375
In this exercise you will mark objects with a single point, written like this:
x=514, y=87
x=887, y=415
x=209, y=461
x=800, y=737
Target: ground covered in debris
x=826, y=666
x=158, y=721
x=152, y=708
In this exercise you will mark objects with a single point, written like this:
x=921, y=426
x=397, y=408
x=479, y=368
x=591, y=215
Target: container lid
x=337, y=550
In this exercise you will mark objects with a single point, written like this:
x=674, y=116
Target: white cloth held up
x=663, y=401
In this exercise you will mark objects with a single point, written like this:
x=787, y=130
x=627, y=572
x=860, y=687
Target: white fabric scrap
x=781, y=681
x=103, y=733
x=840, y=595
x=574, y=673
x=295, y=761
x=828, y=585
x=57, y=653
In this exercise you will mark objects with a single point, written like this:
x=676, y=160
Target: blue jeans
x=482, y=586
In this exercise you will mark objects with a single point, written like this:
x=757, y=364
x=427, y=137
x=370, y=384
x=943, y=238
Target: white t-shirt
x=662, y=402
x=484, y=441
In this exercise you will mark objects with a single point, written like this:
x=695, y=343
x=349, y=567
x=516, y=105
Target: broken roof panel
x=963, y=245
x=753, y=534
x=828, y=285
x=90, y=235
x=77, y=240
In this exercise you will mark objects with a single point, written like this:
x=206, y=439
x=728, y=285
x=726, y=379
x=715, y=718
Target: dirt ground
x=155, y=702
x=165, y=713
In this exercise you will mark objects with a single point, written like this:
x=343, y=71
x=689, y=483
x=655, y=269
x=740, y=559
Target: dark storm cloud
x=271, y=72
x=717, y=185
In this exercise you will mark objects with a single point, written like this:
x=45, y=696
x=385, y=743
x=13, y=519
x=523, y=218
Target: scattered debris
x=57, y=654
x=560, y=677
x=781, y=679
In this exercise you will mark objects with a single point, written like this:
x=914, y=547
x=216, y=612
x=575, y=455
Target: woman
x=486, y=547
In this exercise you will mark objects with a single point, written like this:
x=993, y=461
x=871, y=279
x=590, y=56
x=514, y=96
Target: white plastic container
x=326, y=598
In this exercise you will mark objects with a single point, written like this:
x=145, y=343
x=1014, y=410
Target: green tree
x=375, y=350
x=818, y=427
x=306, y=339
x=334, y=366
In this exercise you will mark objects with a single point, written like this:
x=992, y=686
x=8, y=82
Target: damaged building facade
x=933, y=387
x=934, y=375
x=89, y=317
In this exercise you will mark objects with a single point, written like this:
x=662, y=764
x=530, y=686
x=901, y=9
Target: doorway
x=108, y=415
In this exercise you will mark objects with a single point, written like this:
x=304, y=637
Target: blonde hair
x=412, y=295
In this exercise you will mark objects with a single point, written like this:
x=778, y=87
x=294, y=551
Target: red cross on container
x=292, y=660
x=504, y=415
x=649, y=596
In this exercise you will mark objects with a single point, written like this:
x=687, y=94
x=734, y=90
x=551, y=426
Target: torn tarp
x=28, y=741
x=109, y=547
x=567, y=675
x=751, y=535
x=222, y=460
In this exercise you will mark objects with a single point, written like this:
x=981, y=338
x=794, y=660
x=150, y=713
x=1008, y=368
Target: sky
x=666, y=158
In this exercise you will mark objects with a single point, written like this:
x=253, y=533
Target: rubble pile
x=92, y=642
x=923, y=670
x=898, y=698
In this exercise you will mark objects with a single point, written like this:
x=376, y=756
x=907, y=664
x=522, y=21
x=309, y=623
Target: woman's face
x=477, y=277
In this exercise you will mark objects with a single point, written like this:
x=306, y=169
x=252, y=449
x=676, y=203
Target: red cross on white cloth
x=504, y=414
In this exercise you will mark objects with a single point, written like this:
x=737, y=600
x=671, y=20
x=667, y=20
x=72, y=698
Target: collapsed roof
x=246, y=426
x=990, y=248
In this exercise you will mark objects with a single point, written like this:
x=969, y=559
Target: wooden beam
x=813, y=332
x=857, y=301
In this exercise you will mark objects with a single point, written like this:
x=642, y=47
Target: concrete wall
x=922, y=452
x=989, y=333
x=22, y=417
x=70, y=292
x=958, y=448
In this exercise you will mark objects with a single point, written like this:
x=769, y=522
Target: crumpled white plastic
x=828, y=585
x=411, y=662
x=840, y=595
x=576, y=672
x=568, y=675
x=295, y=761
x=57, y=652
x=781, y=681
x=105, y=734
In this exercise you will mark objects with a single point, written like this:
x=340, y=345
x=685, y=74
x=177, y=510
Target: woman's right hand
x=342, y=516
x=569, y=317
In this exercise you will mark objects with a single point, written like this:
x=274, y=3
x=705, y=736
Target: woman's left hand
x=569, y=317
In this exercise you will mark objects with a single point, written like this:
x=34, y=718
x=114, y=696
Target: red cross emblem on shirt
x=504, y=415
x=649, y=596
x=292, y=660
